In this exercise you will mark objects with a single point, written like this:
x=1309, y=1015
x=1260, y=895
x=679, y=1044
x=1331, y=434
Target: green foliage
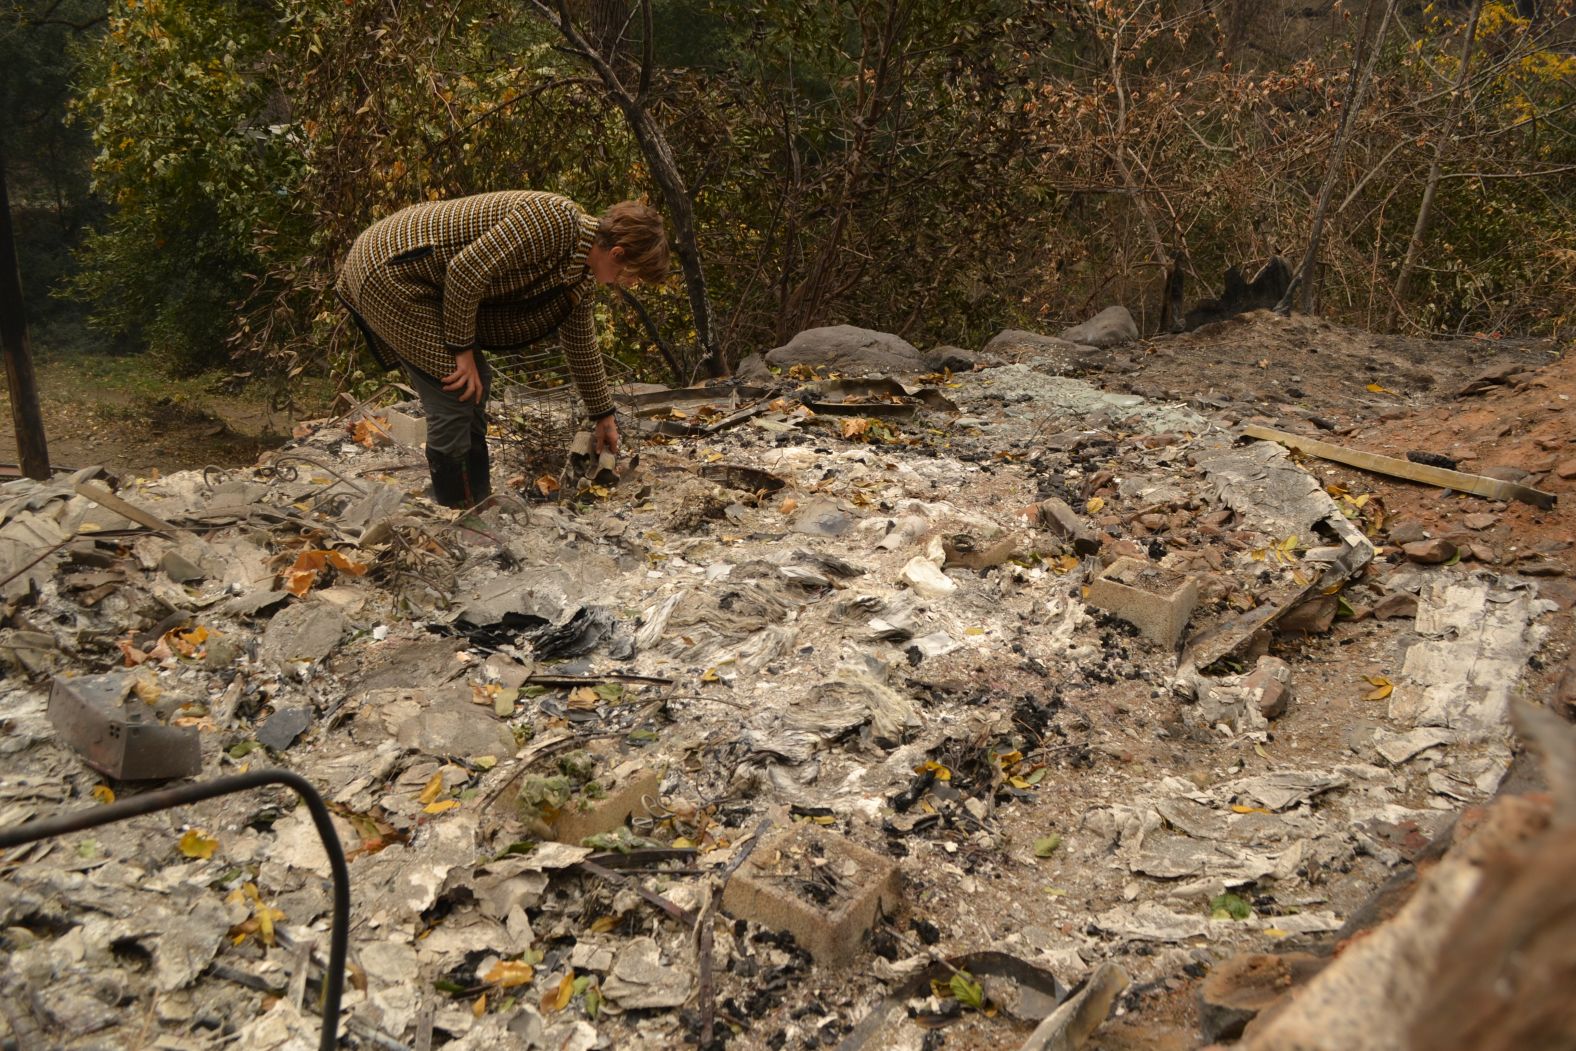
x=938, y=169
x=178, y=104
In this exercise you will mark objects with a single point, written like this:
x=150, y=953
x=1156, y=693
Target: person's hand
x=605, y=437
x=465, y=382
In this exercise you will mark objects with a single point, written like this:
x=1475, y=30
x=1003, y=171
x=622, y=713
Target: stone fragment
x=1112, y=327
x=304, y=631
x=1311, y=617
x=283, y=727
x=1566, y=469
x=851, y=351
x=820, y=887
x=179, y=568
x=1156, y=601
x=1238, y=989
x=1056, y=516
x=465, y=731
x=1429, y=552
x=1396, y=605
x=639, y=978
x=1269, y=686
x=1407, y=531
x=927, y=579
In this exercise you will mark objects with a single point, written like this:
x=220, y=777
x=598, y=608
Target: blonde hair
x=637, y=228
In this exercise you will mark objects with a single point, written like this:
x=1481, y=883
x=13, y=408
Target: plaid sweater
x=493, y=271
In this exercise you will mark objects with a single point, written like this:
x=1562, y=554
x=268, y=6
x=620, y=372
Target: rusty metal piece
x=126, y=744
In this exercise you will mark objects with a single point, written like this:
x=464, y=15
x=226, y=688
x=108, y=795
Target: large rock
x=752, y=369
x=1017, y=345
x=1111, y=327
x=850, y=351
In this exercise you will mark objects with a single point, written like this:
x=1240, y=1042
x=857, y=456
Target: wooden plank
x=1476, y=484
x=104, y=498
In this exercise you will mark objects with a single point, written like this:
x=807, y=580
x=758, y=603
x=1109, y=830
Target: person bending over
x=436, y=285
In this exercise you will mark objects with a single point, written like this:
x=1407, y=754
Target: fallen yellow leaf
x=508, y=974
x=432, y=791
x=1095, y=505
x=558, y=999
x=440, y=807
x=195, y=844
x=1383, y=688
x=1375, y=388
x=103, y=793
x=479, y=1008
x=788, y=505
x=1240, y=809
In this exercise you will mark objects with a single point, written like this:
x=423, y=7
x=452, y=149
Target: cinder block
x=568, y=810
x=1158, y=602
x=405, y=428
x=822, y=888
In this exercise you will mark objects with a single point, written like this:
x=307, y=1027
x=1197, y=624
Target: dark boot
x=449, y=484
x=478, y=470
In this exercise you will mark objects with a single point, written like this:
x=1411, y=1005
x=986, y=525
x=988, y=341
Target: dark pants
x=456, y=438
x=453, y=426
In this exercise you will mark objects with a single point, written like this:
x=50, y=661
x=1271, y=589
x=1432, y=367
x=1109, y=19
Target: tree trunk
x=1425, y=210
x=664, y=169
x=32, y=450
x=1362, y=72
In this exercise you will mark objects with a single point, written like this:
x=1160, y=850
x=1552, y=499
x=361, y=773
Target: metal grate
x=538, y=411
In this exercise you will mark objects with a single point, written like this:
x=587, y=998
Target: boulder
x=850, y=351
x=752, y=369
x=944, y=358
x=1112, y=327
x=1016, y=345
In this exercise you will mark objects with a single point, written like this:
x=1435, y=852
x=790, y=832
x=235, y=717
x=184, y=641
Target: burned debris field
x=1023, y=701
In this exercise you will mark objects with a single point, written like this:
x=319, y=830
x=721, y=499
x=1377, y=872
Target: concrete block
x=405, y=428
x=822, y=888
x=566, y=807
x=1158, y=602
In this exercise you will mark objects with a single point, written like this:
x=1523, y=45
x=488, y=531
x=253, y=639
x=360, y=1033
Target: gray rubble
x=813, y=635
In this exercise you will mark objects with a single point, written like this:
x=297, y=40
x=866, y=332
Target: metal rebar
x=165, y=799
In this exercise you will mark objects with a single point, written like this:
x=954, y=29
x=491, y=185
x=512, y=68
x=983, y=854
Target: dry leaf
x=1095, y=505
x=195, y=844
x=547, y=485
x=479, y=1008
x=788, y=506
x=558, y=999
x=855, y=427
x=1240, y=809
x=441, y=807
x=103, y=793
x=1375, y=388
x=583, y=697
x=432, y=791
x=371, y=432
x=510, y=974
x=1383, y=688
